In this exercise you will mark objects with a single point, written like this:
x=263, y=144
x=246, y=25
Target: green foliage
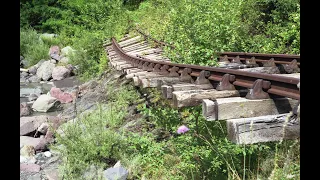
x=32, y=48
x=92, y=138
x=200, y=29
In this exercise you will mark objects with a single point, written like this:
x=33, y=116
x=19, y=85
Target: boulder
x=37, y=143
x=63, y=97
x=33, y=69
x=29, y=167
x=52, y=174
x=65, y=60
x=43, y=128
x=24, y=74
x=60, y=73
x=45, y=70
x=25, y=110
x=116, y=173
x=34, y=79
x=45, y=103
x=67, y=51
x=54, y=50
x=30, y=124
x=27, y=151
x=33, y=97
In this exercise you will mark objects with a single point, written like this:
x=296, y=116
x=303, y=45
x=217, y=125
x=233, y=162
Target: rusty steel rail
x=260, y=58
x=260, y=84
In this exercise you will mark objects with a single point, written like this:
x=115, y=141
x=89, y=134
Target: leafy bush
x=32, y=48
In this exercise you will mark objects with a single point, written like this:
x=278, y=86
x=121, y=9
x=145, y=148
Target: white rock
x=47, y=154
x=21, y=146
x=23, y=159
x=44, y=103
x=32, y=160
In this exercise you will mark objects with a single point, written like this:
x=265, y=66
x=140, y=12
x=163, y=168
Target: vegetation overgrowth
x=146, y=142
x=198, y=29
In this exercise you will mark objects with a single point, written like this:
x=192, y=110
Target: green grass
x=150, y=148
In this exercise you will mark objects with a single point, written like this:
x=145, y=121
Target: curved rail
x=278, y=85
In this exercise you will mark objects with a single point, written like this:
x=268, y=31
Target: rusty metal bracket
x=292, y=67
x=145, y=66
x=140, y=64
x=185, y=75
x=224, y=59
x=225, y=83
x=173, y=72
x=236, y=60
x=157, y=67
x=251, y=61
x=150, y=67
x=270, y=63
x=202, y=79
x=135, y=63
x=164, y=70
x=257, y=90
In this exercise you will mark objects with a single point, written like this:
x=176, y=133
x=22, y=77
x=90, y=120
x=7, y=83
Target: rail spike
x=145, y=66
x=257, y=90
x=164, y=70
x=202, y=79
x=225, y=83
x=185, y=76
x=173, y=72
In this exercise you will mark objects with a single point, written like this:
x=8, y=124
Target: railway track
x=217, y=89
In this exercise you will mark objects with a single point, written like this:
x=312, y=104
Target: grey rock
x=53, y=61
x=24, y=74
x=93, y=172
x=24, y=63
x=23, y=80
x=52, y=173
x=21, y=58
x=29, y=167
x=33, y=97
x=37, y=143
x=33, y=69
x=60, y=73
x=40, y=63
x=45, y=70
x=43, y=128
x=34, y=79
x=55, y=57
x=25, y=110
x=30, y=124
x=117, y=173
x=35, y=177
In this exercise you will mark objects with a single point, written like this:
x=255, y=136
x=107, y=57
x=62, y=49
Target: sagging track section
x=260, y=84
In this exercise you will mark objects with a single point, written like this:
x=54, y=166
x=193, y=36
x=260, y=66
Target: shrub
x=31, y=47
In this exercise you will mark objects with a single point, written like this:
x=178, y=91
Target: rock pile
x=46, y=70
